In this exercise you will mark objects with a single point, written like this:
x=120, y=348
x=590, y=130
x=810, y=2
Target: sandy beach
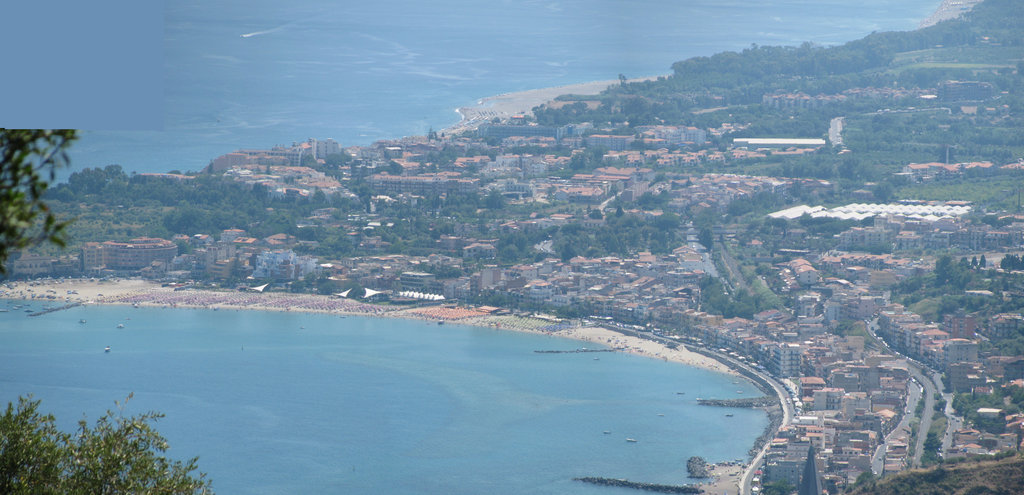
x=143, y=293
x=506, y=105
x=725, y=479
x=138, y=292
x=949, y=9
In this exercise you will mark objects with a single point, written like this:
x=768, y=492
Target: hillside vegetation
x=1005, y=476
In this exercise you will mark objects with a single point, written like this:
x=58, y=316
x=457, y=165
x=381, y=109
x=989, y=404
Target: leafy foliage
x=28, y=161
x=1010, y=399
x=116, y=455
x=741, y=303
x=780, y=487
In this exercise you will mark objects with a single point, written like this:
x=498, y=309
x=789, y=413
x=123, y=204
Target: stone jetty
x=746, y=402
x=650, y=487
x=575, y=351
x=59, y=308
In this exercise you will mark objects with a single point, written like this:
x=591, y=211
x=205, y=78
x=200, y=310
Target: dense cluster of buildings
x=286, y=181
x=134, y=255
x=851, y=396
x=293, y=155
x=799, y=99
x=923, y=172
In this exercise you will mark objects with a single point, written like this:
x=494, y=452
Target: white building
x=785, y=360
x=283, y=265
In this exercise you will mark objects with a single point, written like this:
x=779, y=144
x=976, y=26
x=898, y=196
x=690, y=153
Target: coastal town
x=881, y=323
x=853, y=393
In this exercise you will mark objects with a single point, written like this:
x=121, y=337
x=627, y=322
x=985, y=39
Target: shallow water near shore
x=258, y=73
x=278, y=402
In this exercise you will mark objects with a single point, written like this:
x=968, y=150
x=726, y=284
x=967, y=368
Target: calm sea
x=300, y=403
x=291, y=403
x=263, y=72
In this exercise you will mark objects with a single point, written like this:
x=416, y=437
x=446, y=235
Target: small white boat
x=106, y=349
x=631, y=440
x=120, y=325
x=82, y=320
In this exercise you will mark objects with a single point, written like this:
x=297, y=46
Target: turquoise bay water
x=362, y=71
x=299, y=403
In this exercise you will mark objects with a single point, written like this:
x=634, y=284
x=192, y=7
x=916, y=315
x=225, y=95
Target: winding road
x=927, y=379
x=788, y=412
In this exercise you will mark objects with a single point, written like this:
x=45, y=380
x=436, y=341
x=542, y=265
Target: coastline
x=506, y=105
x=56, y=295
x=948, y=9
x=142, y=293
x=724, y=477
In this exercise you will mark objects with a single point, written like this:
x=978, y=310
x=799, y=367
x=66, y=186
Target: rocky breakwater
x=650, y=487
x=697, y=467
x=747, y=402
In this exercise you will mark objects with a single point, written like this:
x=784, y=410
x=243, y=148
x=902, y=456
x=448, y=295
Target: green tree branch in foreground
x=28, y=162
x=117, y=455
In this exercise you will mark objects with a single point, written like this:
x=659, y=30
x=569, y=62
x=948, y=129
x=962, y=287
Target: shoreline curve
x=143, y=293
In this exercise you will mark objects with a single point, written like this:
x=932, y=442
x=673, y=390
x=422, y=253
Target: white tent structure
x=796, y=212
x=420, y=295
x=370, y=293
x=344, y=294
x=859, y=211
x=259, y=288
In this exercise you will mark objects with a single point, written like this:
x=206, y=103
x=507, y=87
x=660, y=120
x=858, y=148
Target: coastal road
x=788, y=412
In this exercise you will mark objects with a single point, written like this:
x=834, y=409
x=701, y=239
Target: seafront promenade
x=137, y=292
x=725, y=477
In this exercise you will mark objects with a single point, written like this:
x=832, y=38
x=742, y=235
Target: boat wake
x=268, y=31
x=260, y=33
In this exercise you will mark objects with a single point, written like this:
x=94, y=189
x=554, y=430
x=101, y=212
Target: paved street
x=955, y=423
x=928, y=380
x=930, y=392
x=903, y=428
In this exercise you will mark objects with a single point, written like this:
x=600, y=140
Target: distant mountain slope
x=988, y=37
x=1002, y=477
